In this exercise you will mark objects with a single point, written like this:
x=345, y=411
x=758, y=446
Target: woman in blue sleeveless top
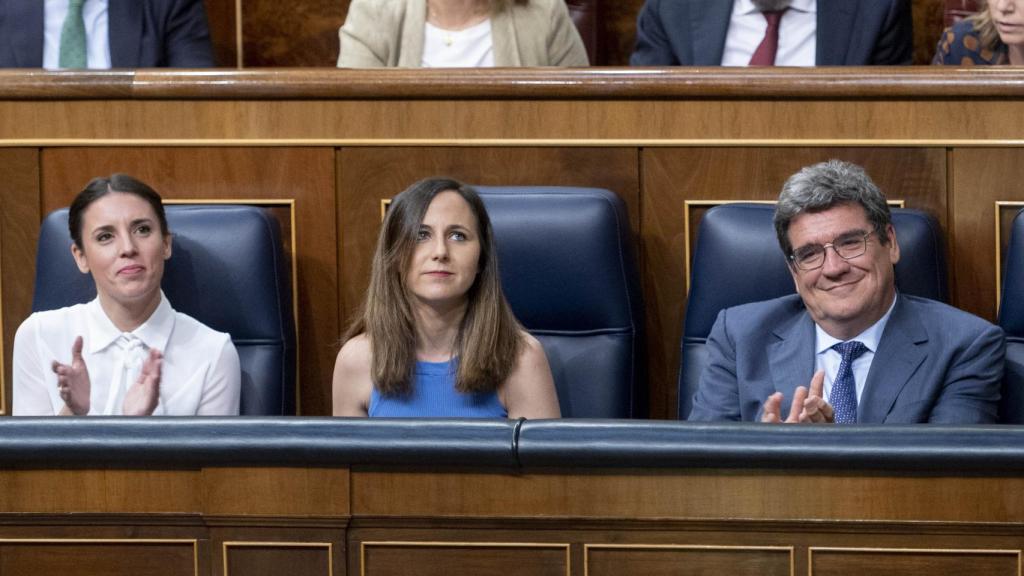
x=436, y=337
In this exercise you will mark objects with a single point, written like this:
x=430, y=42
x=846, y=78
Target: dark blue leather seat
x=569, y=271
x=227, y=270
x=737, y=260
x=1011, y=318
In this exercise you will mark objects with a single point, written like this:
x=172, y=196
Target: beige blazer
x=389, y=33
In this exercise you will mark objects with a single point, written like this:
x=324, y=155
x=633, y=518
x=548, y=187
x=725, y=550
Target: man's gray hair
x=820, y=187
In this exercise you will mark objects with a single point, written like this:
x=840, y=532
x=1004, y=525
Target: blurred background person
x=459, y=33
x=993, y=35
x=773, y=33
x=436, y=337
x=104, y=34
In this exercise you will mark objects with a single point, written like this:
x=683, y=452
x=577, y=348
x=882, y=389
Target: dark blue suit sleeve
x=652, y=44
x=718, y=396
x=187, y=36
x=895, y=45
x=970, y=392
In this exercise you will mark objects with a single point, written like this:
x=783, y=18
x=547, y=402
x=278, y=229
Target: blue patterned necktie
x=844, y=389
x=72, y=37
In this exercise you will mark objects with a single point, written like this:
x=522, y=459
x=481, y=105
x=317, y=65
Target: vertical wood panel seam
x=239, y=38
x=951, y=226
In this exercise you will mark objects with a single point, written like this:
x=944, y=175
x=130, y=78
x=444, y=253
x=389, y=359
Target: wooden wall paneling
x=292, y=33
x=414, y=107
x=619, y=545
x=129, y=557
x=929, y=21
x=914, y=562
x=620, y=30
x=295, y=545
x=223, y=19
x=697, y=495
x=981, y=177
x=293, y=492
x=19, y=229
x=100, y=491
x=367, y=175
x=665, y=560
x=303, y=174
x=274, y=558
x=672, y=176
x=478, y=558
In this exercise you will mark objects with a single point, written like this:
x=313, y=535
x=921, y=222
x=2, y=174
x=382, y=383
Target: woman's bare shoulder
x=356, y=349
x=352, y=382
x=532, y=350
x=529, y=391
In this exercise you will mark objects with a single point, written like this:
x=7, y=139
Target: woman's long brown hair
x=489, y=338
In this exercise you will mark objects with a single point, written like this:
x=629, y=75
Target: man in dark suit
x=727, y=32
x=141, y=33
x=848, y=347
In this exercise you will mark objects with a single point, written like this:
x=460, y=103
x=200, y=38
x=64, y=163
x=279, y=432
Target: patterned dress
x=961, y=46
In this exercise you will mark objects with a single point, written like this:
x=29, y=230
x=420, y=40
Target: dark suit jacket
x=850, y=32
x=934, y=363
x=143, y=34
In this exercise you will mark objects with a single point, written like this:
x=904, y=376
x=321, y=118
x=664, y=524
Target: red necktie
x=765, y=53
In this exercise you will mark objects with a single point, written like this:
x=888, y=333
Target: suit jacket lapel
x=709, y=21
x=125, y=31
x=836, y=20
x=23, y=26
x=791, y=356
x=898, y=357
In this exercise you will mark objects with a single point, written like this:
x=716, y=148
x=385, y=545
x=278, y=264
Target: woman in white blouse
x=459, y=33
x=126, y=352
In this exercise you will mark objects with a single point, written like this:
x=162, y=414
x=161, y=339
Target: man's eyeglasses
x=847, y=246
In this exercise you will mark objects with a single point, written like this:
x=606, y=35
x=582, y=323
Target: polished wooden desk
x=303, y=496
x=321, y=148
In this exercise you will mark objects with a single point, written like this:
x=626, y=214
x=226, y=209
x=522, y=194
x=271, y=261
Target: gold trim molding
x=239, y=36
x=256, y=544
x=461, y=544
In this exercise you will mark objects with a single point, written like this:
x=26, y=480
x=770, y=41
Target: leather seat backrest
x=1011, y=318
x=569, y=272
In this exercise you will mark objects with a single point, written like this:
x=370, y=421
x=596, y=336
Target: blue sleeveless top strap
x=434, y=396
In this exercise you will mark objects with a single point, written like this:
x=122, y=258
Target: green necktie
x=72, y=37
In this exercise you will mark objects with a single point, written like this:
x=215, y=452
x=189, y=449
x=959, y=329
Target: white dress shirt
x=199, y=375
x=828, y=359
x=797, y=34
x=97, y=35
x=469, y=48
